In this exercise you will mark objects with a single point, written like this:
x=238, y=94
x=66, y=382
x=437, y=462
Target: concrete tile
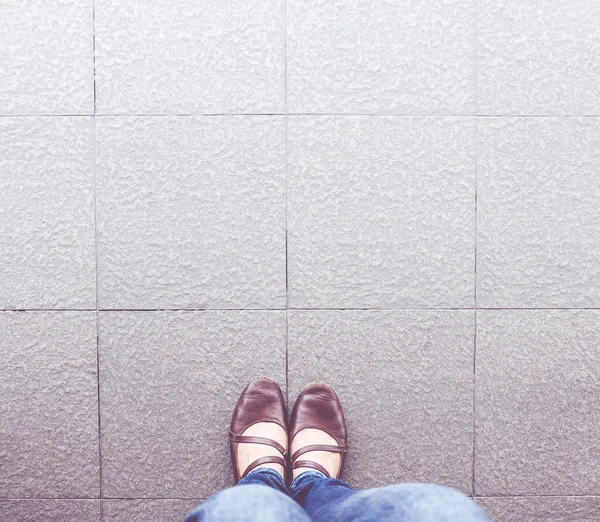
x=169, y=384
x=538, y=192
x=392, y=57
x=49, y=406
x=539, y=57
x=537, y=410
x=191, y=212
x=47, y=64
x=190, y=56
x=47, y=213
x=143, y=510
x=405, y=379
x=381, y=212
x=50, y=510
x=548, y=509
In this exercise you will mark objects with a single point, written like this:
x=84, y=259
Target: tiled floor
x=400, y=198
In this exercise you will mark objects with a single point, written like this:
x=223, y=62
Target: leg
x=331, y=499
x=260, y=497
x=313, y=490
x=258, y=443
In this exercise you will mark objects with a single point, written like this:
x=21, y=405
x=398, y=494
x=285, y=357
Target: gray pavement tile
x=398, y=57
x=169, y=384
x=537, y=509
x=191, y=212
x=143, y=510
x=538, y=415
x=49, y=406
x=381, y=212
x=47, y=257
x=47, y=64
x=539, y=57
x=50, y=510
x=405, y=379
x=538, y=212
x=200, y=57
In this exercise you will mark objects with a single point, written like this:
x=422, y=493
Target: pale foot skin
x=248, y=453
x=329, y=460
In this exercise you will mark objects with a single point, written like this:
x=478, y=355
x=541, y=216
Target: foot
x=248, y=453
x=258, y=432
x=330, y=461
x=318, y=434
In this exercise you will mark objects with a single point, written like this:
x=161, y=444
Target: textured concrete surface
x=400, y=198
x=49, y=405
x=539, y=57
x=135, y=510
x=47, y=61
x=50, y=510
x=546, y=509
x=47, y=247
x=169, y=383
x=380, y=212
x=405, y=379
x=392, y=57
x=537, y=202
x=191, y=212
x=190, y=56
x=538, y=415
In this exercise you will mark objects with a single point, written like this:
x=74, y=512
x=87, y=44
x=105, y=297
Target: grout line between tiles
x=285, y=54
x=139, y=309
x=537, y=496
x=285, y=29
x=444, y=308
x=104, y=498
x=287, y=305
x=476, y=224
x=316, y=114
x=476, y=231
x=100, y=478
x=294, y=309
x=82, y=115
x=204, y=498
x=474, y=427
x=476, y=139
x=287, y=380
x=192, y=309
x=286, y=215
x=97, y=311
x=94, y=49
x=477, y=57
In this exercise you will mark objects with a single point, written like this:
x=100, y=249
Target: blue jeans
x=263, y=497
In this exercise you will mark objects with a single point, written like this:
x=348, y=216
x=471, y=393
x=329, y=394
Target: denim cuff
x=306, y=476
x=263, y=473
x=267, y=476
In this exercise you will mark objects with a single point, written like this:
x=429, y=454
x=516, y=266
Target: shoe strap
x=312, y=465
x=319, y=447
x=247, y=439
x=272, y=459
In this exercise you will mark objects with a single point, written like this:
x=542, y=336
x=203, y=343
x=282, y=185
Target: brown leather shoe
x=318, y=408
x=261, y=401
